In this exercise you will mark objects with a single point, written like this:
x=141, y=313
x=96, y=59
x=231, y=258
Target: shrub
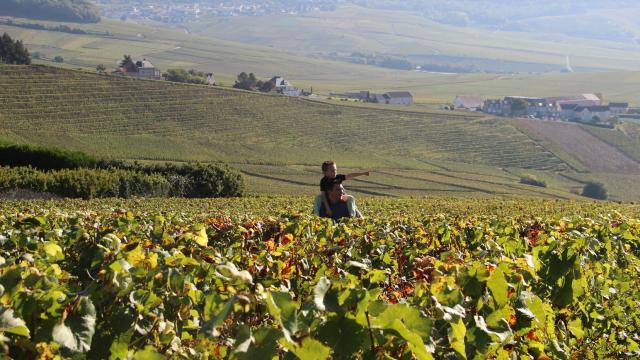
x=58, y=59
x=23, y=178
x=191, y=180
x=189, y=77
x=595, y=190
x=532, y=180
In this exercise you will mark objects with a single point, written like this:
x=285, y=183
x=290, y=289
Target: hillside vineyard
x=128, y=118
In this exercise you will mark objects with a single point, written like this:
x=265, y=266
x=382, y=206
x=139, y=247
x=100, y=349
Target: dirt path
x=595, y=154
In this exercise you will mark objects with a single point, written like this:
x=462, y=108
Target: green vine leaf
x=76, y=331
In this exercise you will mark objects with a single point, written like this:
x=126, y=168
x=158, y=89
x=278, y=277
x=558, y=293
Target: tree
x=101, y=69
x=519, y=107
x=191, y=77
x=128, y=64
x=13, y=52
x=595, y=190
x=265, y=86
x=58, y=59
x=246, y=82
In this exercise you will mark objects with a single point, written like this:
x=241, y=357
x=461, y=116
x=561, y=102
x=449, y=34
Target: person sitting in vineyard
x=339, y=206
x=330, y=172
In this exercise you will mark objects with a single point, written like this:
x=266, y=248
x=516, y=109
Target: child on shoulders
x=330, y=171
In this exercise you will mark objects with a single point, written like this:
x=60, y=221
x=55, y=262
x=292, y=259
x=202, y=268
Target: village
x=181, y=12
x=587, y=108
x=144, y=69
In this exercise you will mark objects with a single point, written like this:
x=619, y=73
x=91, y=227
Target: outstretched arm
x=356, y=174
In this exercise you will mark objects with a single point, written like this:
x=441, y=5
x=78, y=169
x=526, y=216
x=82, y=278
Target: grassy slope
x=413, y=153
x=220, y=124
x=173, y=48
x=278, y=141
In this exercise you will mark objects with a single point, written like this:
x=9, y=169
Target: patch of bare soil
x=25, y=194
x=595, y=154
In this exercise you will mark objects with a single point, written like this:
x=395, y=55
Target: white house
x=211, y=80
x=598, y=113
x=282, y=86
x=472, y=102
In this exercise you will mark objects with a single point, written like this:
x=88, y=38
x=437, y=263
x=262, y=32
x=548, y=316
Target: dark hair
x=326, y=164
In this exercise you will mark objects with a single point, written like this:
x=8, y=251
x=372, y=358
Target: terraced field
x=119, y=117
x=586, y=145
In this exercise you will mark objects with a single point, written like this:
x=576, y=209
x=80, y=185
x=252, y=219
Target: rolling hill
x=351, y=28
x=107, y=41
x=279, y=141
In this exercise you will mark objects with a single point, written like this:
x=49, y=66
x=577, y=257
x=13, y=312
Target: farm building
x=283, y=86
x=471, y=102
x=143, y=69
x=580, y=100
x=391, y=97
x=598, y=113
x=395, y=98
x=618, y=108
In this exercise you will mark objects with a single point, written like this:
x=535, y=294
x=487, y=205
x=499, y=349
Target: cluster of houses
x=584, y=107
x=144, y=69
x=390, y=98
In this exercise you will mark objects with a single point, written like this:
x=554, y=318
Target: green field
x=173, y=48
x=258, y=278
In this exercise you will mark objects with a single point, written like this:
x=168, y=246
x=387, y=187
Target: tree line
x=81, y=11
x=249, y=82
x=13, y=52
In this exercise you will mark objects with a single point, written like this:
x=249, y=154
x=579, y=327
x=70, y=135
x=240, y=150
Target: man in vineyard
x=339, y=207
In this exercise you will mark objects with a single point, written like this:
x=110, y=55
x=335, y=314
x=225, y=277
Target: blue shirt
x=339, y=210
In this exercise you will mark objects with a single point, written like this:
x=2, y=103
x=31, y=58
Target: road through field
x=595, y=154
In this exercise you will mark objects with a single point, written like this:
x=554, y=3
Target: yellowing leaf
x=53, y=251
x=575, y=326
x=135, y=256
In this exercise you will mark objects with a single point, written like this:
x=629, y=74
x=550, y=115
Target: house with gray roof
x=143, y=69
x=394, y=98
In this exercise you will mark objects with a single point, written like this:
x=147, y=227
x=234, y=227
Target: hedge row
x=84, y=183
x=204, y=181
x=190, y=180
x=75, y=174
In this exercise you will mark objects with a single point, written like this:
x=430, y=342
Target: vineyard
x=125, y=118
x=258, y=278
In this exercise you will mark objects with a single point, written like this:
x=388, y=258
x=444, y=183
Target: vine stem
x=373, y=343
